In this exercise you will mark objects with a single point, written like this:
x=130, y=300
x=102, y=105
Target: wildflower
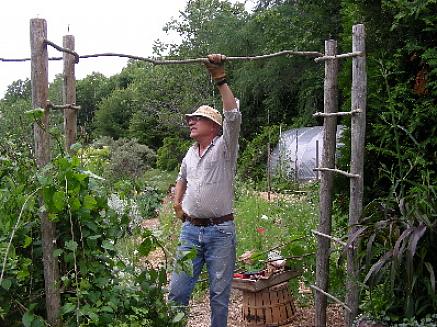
x=264, y=217
x=260, y=230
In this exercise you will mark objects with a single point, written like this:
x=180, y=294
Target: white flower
x=264, y=217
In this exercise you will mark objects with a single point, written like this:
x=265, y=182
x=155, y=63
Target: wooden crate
x=271, y=306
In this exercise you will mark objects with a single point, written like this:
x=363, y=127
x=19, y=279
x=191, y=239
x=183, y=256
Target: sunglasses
x=195, y=118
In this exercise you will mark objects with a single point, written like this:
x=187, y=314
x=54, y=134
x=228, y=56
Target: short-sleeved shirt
x=210, y=177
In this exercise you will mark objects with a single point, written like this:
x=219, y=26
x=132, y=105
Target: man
x=204, y=198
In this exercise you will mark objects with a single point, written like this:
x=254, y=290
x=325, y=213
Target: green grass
x=285, y=223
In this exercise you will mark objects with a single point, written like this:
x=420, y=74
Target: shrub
x=253, y=161
x=130, y=159
x=170, y=155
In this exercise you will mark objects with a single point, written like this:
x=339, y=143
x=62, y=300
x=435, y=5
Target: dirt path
x=200, y=311
x=200, y=314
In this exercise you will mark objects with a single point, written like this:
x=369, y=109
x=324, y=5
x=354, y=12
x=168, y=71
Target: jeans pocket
x=226, y=228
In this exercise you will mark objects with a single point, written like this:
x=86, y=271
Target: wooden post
x=317, y=159
x=358, y=130
x=326, y=184
x=296, y=164
x=269, y=175
x=39, y=75
x=69, y=93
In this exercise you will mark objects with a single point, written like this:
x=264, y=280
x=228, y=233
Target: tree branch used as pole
x=338, y=171
x=335, y=239
x=59, y=48
x=340, y=56
x=39, y=75
x=331, y=297
x=50, y=105
x=287, y=53
x=340, y=113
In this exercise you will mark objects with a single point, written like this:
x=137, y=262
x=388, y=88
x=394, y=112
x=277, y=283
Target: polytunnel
x=299, y=151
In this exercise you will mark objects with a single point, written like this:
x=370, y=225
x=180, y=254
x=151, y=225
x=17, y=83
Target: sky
x=119, y=26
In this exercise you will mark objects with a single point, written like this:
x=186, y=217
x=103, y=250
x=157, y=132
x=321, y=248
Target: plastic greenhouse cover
x=301, y=160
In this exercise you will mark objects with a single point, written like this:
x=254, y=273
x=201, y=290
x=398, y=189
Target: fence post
x=326, y=183
x=317, y=159
x=39, y=75
x=296, y=164
x=358, y=130
x=69, y=93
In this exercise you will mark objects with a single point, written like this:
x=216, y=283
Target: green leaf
x=94, y=237
x=55, y=131
x=27, y=319
x=71, y=245
x=6, y=284
x=178, y=317
x=75, y=204
x=89, y=202
x=58, y=199
x=57, y=252
x=67, y=308
x=146, y=246
x=27, y=241
x=106, y=244
x=431, y=275
x=106, y=308
x=36, y=113
x=38, y=322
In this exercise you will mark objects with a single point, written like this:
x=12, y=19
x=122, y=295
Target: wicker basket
x=272, y=306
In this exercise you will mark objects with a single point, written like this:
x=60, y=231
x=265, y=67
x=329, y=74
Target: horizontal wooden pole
x=335, y=239
x=338, y=171
x=50, y=105
x=59, y=48
x=288, y=53
x=335, y=114
x=340, y=56
x=344, y=305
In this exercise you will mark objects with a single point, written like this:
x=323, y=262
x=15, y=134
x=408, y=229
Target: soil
x=304, y=317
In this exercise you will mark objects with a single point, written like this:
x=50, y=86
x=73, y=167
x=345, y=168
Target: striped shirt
x=210, y=177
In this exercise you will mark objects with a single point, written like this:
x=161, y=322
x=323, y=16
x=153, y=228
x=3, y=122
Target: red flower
x=261, y=230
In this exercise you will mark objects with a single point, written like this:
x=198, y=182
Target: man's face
x=201, y=127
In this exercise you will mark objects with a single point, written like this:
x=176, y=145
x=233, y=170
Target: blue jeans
x=215, y=246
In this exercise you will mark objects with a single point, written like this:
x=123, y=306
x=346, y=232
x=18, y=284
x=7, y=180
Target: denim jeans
x=215, y=246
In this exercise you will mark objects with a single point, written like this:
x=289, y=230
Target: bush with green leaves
x=98, y=285
x=252, y=163
x=170, y=155
x=130, y=159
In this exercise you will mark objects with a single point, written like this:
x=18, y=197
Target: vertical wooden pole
x=326, y=184
x=269, y=162
x=69, y=93
x=296, y=164
x=39, y=75
x=317, y=159
x=358, y=130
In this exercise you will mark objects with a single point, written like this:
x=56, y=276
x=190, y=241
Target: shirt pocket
x=212, y=172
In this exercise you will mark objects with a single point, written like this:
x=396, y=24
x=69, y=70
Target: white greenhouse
x=299, y=151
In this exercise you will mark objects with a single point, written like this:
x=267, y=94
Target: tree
x=91, y=90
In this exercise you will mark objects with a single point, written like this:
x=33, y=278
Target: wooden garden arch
x=39, y=76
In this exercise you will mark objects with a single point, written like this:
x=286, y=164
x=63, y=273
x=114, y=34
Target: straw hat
x=207, y=112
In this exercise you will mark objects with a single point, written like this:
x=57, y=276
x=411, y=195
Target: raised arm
x=217, y=70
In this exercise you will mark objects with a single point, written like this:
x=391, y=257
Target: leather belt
x=208, y=221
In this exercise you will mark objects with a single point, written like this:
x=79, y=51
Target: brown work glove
x=178, y=211
x=216, y=67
